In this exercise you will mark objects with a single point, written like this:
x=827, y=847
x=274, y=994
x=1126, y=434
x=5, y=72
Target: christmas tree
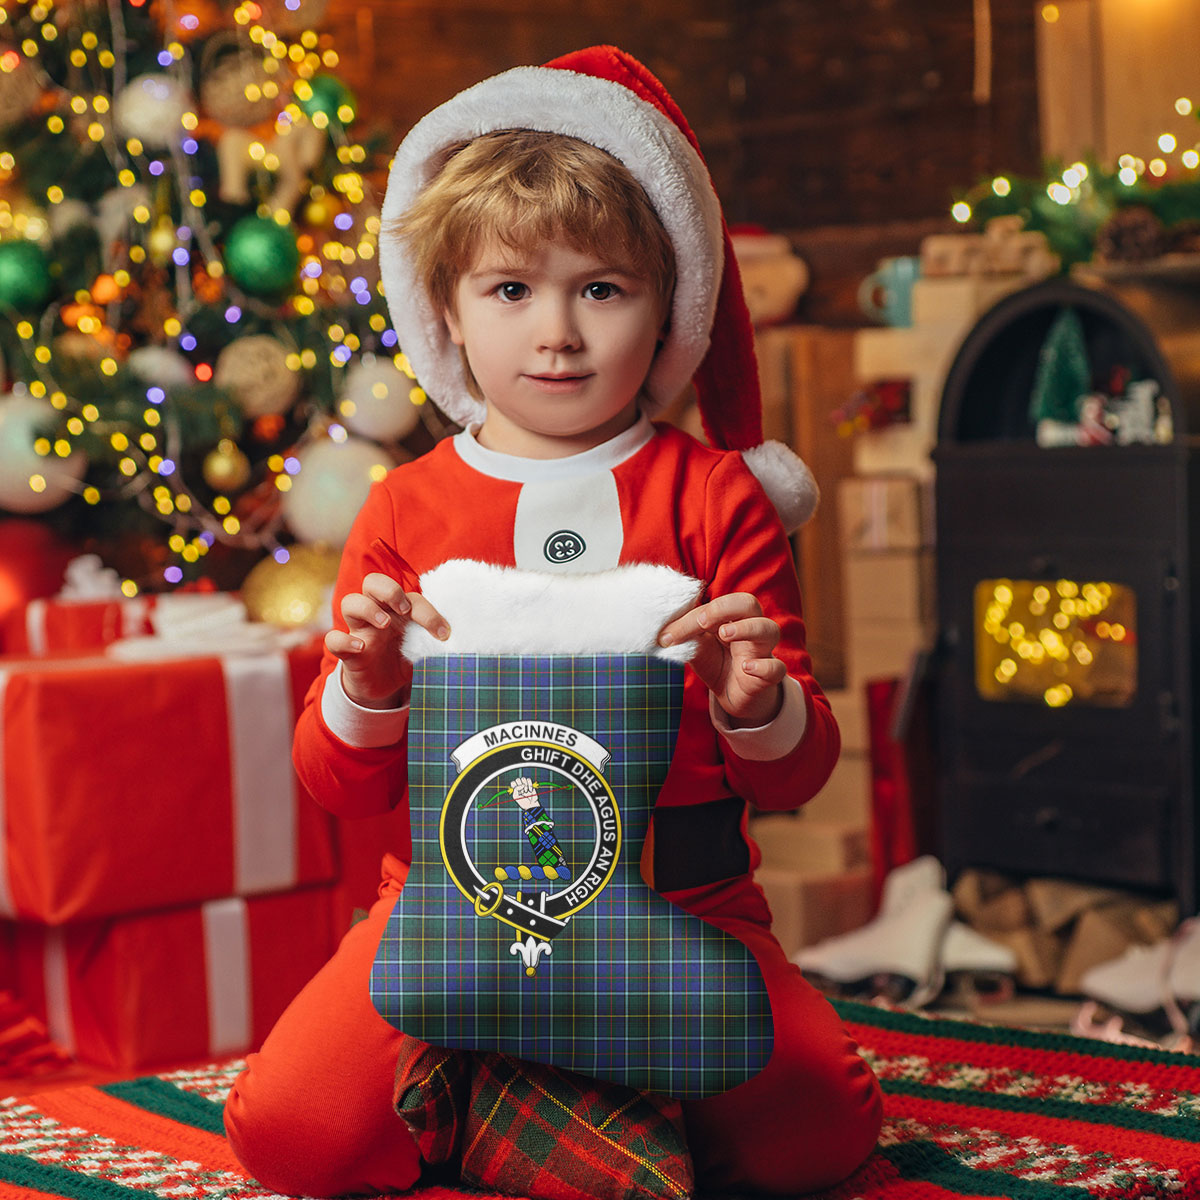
x=196, y=357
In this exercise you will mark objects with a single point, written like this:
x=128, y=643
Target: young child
x=557, y=267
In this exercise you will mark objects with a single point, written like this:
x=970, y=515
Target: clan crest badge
x=534, y=889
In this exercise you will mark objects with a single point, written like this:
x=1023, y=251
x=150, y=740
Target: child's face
x=559, y=342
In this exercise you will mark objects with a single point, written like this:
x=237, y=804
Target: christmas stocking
x=525, y=925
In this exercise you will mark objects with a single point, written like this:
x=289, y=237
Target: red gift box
x=52, y=625
x=173, y=987
x=131, y=786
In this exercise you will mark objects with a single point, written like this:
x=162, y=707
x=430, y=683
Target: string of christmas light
x=1055, y=640
x=1073, y=203
x=189, y=298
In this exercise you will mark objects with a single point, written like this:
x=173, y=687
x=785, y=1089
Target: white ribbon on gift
x=227, y=975
x=132, y=615
x=258, y=695
x=226, y=972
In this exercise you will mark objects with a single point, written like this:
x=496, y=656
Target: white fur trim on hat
x=506, y=610
x=604, y=114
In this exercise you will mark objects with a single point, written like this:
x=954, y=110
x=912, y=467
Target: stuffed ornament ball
x=151, y=108
x=330, y=488
x=67, y=215
x=262, y=256
x=236, y=90
x=29, y=481
x=24, y=275
x=255, y=370
x=161, y=366
x=375, y=400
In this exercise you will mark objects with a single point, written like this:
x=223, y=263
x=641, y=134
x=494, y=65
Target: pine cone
x=1132, y=234
x=1184, y=238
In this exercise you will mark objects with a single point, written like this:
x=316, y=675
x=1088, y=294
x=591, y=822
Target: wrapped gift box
x=130, y=786
x=183, y=985
x=46, y=626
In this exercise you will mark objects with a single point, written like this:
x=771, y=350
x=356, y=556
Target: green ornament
x=262, y=256
x=24, y=275
x=328, y=95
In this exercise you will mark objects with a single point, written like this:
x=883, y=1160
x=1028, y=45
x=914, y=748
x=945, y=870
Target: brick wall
x=810, y=113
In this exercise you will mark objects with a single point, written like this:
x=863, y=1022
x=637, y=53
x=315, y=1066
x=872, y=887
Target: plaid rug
x=972, y=1111
x=525, y=926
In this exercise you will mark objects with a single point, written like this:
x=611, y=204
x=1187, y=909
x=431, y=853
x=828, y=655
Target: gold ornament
x=162, y=242
x=295, y=593
x=226, y=468
x=317, y=213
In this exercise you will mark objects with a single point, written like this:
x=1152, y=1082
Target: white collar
x=510, y=467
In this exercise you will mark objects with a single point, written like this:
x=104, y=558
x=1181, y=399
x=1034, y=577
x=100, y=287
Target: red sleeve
x=351, y=781
x=748, y=551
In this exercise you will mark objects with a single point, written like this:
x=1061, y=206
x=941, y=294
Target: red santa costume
x=313, y=1112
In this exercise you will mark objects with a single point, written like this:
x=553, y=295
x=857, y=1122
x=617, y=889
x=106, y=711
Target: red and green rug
x=972, y=1110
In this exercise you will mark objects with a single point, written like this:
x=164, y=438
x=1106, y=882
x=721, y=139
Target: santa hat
x=607, y=98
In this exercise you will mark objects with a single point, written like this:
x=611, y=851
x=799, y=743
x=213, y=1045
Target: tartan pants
x=312, y=1113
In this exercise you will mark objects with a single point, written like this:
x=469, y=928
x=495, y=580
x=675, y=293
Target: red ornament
x=32, y=560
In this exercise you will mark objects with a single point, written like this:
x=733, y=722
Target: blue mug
x=886, y=294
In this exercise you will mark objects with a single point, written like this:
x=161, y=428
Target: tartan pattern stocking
x=525, y=926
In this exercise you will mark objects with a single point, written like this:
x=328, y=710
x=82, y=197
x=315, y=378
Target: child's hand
x=374, y=674
x=734, y=655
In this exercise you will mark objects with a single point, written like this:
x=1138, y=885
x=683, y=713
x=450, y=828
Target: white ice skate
x=979, y=965
x=1156, y=987
x=898, y=953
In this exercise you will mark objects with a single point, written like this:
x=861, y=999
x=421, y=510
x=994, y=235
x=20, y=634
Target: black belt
x=697, y=844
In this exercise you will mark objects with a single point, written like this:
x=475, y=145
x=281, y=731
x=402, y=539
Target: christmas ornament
x=1132, y=234
x=114, y=216
x=294, y=593
x=162, y=242
x=20, y=90
x=375, y=400
x=24, y=275
x=29, y=481
x=262, y=256
x=79, y=348
x=267, y=429
x=190, y=20
x=297, y=149
x=162, y=366
x=32, y=561
x=150, y=108
x=236, y=88
x=330, y=488
x=225, y=467
x=66, y=215
x=328, y=95
x=289, y=17
x=255, y=370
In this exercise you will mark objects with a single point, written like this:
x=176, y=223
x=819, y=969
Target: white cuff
x=777, y=738
x=356, y=725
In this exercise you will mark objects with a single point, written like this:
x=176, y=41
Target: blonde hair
x=521, y=188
